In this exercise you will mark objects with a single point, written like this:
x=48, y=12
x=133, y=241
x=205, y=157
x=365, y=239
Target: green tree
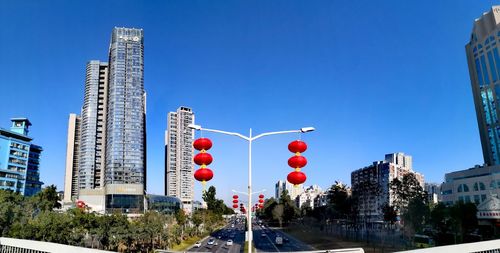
x=48, y=198
x=339, y=202
x=290, y=210
x=278, y=213
x=390, y=213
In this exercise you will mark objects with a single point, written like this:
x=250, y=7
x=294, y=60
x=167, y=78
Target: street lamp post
x=250, y=139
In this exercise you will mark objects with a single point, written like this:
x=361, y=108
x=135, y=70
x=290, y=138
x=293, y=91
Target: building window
x=479, y=186
x=463, y=188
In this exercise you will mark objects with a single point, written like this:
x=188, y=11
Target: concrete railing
x=10, y=245
x=492, y=246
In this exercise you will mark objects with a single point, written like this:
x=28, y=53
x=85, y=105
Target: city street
x=264, y=239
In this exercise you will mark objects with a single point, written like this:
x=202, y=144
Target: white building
x=179, y=166
x=293, y=191
x=308, y=196
x=433, y=192
x=370, y=185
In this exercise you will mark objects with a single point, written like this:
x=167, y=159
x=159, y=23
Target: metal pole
x=249, y=210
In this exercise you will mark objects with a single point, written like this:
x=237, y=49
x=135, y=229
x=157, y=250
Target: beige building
x=370, y=185
x=72, y=156
x=179, y=165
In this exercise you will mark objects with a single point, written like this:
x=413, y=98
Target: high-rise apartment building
x=483, y=58
x=111, y=138
x=72, y=156
x=293, y=191
x=370, y=185
x=19, y=159
x=179, y=167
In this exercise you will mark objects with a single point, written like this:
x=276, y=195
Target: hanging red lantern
x=202, y=144
x=297, y=146
x=235, y=196
x=261, y=206
x=203, y=159
x=261, y=196
x=235, y=201
x=261, y=201
x=203, y=174
x=297, y=161
x=80, y=204
x=235, y=206
x=296, y=177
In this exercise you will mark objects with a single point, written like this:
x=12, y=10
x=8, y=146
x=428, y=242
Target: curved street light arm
x=224, y=132
x=273, y=133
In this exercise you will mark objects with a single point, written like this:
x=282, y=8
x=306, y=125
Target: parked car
x=197, y=244
x=229, y=242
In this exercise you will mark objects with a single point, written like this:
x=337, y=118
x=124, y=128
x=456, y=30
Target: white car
x=229, y=242
x=197, y=244
x=211, y=241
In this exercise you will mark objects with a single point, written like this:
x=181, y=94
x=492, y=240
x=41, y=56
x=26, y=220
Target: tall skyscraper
x=111, y=159
x=93, y=128
x=125, y=134
x=19, y=159
x=484, y=69
x=179, y=165
x=72, y=156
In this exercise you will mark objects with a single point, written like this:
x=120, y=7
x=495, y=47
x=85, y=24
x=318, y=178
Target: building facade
x=293, y=191
x=72, y=156
x=370, y=185
x=107, y=143
x=471, y=185
x=19, y=159
x=483, y=59
x=308, y=197
x=179, y=166
x=433, y=192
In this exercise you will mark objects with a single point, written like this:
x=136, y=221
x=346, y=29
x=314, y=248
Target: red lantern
x=235, y=201
x=202, y=144
x=235, y=206
x=261, y=196
x=241, y=204
x=296, y=177
x=297, y=146
x=261, y=201
x=261, y=205
x=235, y=196
x=297, y=161
x=80, y=204
x=203, y=174
x=203, y=159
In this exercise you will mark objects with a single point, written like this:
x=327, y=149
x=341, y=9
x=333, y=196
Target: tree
x=48, y=198
x=278, y=212
x=339, y=202
x=390, y=213
x=290, y=210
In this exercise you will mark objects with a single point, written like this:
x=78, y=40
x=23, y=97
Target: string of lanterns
x=297, y=162
x=235, y=201
x=203, y=174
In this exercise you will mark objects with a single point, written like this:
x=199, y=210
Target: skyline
x=288, y=47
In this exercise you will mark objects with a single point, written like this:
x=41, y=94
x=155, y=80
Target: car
x=197, y=244
x=279, y=240
x=232, y=225
x=211, y=241
x=229, y=242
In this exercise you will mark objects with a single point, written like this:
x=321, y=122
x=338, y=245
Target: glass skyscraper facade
x=125, y=142
x=484, y=68
x=107, y=143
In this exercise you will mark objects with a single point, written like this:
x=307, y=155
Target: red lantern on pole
x=297, y=146
x=261, y=201
x=203, y=174
x=296, y=177
x=235, y=196
x=235, y=201
x=261, y=196
x=202, y=144
x=203, y=159
x=261, y=206
x=235, y=206
x=297, y=162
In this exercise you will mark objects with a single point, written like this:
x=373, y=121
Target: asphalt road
x=236, y=233
x=265, y=241
x=263, y=237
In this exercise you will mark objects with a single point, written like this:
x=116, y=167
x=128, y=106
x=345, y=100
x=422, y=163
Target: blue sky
x=373, y=77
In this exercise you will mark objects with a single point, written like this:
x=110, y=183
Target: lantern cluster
x=297, y=162
x=235, y=201
x=242, y=208
x=203, y=174
x=261, y=201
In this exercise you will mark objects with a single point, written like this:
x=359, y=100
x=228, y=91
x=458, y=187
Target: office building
x=483, y=58
x=107, y=146
x=163, y=204
x=19, y=159
x=179, y=166
x=72, y=156
x=370, y=185
x=471, y=185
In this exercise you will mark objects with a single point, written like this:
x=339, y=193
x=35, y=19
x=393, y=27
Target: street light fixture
x=250, y=139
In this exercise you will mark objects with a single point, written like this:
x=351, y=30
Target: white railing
x=492, y=246
x=8, y=245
